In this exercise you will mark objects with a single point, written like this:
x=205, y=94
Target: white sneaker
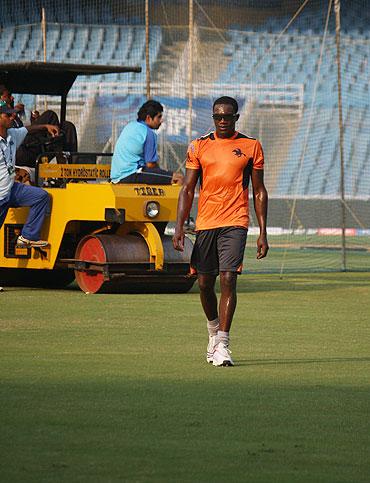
x=212, y=342
x=23, y=242
x=221, y=356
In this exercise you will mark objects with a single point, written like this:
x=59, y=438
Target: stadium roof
x=51, y=78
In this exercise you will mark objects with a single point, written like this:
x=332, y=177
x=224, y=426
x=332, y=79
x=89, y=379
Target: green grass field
x=111, y=388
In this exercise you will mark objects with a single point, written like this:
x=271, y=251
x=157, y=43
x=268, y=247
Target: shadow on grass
x=146, y=430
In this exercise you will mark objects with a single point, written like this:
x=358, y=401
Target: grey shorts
x=219, y=250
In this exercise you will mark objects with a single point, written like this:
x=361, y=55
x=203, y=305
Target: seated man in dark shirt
x=32, y=145
x=38, y=143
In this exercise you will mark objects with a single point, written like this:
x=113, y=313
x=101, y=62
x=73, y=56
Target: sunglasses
x=6, y=114
x=225, y=117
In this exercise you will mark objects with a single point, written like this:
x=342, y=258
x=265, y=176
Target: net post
x=43, y=30
x=190, y=70
x=340, y=114
x=147, y=59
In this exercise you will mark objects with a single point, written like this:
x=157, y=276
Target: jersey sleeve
x=150, y=147
x=192, y=161
x=258, y=158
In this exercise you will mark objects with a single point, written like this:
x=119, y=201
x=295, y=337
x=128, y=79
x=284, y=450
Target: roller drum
x=127, y=268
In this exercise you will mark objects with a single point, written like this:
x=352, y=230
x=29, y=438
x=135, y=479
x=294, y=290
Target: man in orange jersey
x=223, y=161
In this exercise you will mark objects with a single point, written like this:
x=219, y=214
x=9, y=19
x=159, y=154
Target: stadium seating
x=294, y=59
x=80, y=43
x=256, y=56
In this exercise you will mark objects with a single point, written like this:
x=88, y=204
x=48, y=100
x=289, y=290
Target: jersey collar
x=226, y=139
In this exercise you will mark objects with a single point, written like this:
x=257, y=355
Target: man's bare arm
x=260, y=199
x=184, y=206
x=50, y=128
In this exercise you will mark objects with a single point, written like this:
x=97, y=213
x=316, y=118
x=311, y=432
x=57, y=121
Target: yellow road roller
x=110, y=238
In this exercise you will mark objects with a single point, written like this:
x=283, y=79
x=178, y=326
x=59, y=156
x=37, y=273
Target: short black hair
x=151, y=108
x=227, y=100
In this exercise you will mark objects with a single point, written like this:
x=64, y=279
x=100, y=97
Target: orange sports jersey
x=225, y=166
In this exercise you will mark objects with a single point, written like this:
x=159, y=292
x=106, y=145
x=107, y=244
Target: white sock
x=213, y=326
x=223, y=337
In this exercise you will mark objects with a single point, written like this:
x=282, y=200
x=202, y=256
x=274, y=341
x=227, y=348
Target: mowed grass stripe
x=116, y=388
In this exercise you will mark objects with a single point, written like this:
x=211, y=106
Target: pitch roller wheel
x=132, y=250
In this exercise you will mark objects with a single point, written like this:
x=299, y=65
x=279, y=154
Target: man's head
x=34, y=115
x=225, y=115
x=151, y=113
x=6, y=115
x=6, y=95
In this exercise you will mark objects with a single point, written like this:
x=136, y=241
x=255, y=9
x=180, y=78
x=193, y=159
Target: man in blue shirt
x=135, y=157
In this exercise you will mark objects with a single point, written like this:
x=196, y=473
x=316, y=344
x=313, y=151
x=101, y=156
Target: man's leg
x=132, y=178
x=227, y=299
x=221, y=355
x=208, y=296
x=231, y=244
x=4, y=207
x=208, y=299
x=204, y=261
x=148, y=176
x=38, y=201
x=155, y=176
x=227, y=305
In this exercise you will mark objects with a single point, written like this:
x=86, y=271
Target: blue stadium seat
x=253, y=57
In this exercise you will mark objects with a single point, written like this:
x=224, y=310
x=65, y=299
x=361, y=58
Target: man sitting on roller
x=135, y=157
